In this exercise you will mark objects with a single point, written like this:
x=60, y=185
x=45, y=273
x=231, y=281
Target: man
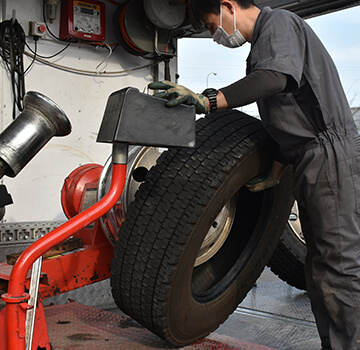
x=304, y=109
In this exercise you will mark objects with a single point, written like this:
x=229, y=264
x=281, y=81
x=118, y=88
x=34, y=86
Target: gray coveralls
x=312, y=123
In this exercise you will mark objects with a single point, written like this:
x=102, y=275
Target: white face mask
x=223, y=38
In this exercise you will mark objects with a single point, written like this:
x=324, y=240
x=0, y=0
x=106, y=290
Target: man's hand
x=178, y=94
x=262, y=182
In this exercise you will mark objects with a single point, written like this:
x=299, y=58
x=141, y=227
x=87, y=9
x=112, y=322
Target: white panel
x=36, y=190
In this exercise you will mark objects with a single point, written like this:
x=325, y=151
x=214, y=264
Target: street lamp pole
x=207, y=78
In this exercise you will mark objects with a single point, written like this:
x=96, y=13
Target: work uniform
x=312, y=123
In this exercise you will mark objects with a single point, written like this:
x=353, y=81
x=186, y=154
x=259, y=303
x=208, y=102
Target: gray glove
x=262, y=182
x=178, y=94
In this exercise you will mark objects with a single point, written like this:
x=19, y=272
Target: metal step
x=83, y=327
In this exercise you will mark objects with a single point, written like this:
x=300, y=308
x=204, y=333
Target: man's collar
x=263, y=12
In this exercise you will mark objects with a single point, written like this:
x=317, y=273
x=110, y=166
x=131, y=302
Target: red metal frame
x=70, y=267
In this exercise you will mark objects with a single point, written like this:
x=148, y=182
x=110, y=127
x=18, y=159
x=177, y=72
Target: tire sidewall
x=191, y=315
x=294, y=244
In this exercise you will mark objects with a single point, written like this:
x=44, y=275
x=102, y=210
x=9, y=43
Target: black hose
x=12, y=43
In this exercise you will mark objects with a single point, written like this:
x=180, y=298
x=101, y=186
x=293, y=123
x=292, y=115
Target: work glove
x=262, y=182
x=178, y=94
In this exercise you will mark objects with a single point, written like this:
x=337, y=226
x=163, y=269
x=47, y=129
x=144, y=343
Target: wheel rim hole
x=139, y=174
x=293, y=217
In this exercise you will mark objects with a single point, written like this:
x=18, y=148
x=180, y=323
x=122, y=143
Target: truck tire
x=288, y=259
x=159, y=278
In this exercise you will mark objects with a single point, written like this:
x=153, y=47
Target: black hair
x=199, y=9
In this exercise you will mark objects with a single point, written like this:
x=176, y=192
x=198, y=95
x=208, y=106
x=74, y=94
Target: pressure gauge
x=83, y=20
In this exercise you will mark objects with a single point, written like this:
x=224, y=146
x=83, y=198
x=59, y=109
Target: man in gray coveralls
x=303, y=107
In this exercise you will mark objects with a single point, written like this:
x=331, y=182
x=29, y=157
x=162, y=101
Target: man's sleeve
x=255, y=86
x=280, y=46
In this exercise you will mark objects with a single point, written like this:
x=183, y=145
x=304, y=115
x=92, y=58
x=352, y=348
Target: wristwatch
x=211, y=94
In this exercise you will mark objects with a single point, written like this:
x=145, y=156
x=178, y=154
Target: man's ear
x=229, y=5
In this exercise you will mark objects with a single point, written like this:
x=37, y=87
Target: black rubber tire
x=288, y=259
x=153, y=276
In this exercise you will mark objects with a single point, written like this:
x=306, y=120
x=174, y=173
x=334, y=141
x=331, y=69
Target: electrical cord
x=45, y=57
x=48, y=29
x=51, y=34
x=104, y=60
x=90, y=73
x=35, y=53
x=12, y=43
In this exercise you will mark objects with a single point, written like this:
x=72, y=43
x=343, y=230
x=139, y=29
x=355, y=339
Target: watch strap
x=211, y=94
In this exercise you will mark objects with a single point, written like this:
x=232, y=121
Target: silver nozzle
x=40, y=120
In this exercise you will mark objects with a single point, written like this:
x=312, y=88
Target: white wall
x=36, y=190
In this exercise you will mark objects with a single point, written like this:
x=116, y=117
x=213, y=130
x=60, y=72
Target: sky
x=202, y=62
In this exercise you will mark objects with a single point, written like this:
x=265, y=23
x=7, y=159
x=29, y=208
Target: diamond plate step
x=83, y=327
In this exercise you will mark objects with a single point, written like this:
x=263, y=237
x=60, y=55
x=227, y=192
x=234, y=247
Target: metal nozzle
x=40, y=120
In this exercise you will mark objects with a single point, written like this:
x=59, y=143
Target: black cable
x=47, y=57
x=12, y=43
x=53, y=35
x=48, y=29
x=36, y=38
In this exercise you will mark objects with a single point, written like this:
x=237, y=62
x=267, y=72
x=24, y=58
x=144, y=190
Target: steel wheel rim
x=218, y=233
x=295, y=224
